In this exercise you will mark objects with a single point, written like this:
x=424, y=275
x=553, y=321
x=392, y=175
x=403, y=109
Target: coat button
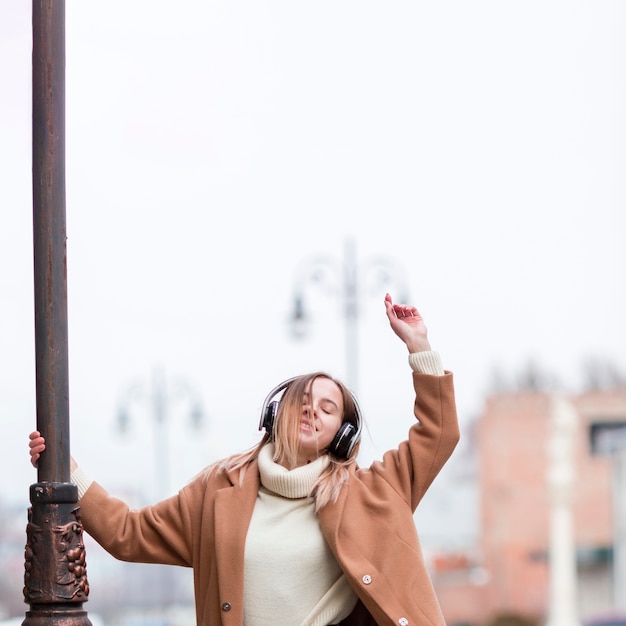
x=226, y=606
x=367, y=579
x=403, y=621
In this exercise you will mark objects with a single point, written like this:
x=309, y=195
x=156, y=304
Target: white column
x=562, y=608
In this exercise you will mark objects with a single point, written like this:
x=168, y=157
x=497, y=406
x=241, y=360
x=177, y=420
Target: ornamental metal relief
x=55, y=549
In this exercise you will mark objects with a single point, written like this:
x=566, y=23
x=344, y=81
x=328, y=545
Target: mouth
x=306, y=425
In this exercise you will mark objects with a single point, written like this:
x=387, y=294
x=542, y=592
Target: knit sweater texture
x=291, y=576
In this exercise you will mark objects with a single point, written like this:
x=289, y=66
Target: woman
x=293, y=531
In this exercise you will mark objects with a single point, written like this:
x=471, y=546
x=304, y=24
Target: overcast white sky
x=214, y=147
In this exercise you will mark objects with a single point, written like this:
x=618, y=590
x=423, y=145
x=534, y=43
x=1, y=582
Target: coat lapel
x=233, y=510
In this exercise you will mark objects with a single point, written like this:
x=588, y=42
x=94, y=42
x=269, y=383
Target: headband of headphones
x=344, y=440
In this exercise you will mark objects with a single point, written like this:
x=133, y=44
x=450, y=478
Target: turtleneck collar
x=295, y=483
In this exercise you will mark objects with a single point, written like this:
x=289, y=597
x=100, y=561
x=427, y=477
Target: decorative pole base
x=64, y=616
x=55, y=576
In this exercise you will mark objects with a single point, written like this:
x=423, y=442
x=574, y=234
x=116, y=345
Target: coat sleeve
x=160, y=533
x=411, y=468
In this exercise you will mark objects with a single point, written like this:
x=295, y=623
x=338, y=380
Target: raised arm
x=411, y=468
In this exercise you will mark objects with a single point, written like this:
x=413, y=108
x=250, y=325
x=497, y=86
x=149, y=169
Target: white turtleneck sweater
x=290, y=574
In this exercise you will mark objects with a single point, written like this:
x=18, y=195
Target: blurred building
x=507, y=571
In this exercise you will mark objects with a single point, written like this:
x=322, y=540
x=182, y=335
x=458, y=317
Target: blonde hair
x=286, y=440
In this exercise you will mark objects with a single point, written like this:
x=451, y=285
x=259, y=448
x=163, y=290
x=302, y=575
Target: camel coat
x=370, y=529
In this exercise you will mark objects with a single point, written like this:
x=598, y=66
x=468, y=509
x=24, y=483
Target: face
x=322, y=415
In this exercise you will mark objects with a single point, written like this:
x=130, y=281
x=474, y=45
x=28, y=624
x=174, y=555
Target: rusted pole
x=55, y=579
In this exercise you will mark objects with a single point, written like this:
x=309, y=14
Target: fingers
x=37, y=445
x=399, y=311
x=403, y=310
x=390, y=310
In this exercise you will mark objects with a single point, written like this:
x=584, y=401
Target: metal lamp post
x=55, y=577
x=344, y=278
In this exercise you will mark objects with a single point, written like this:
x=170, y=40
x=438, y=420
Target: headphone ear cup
x=344, y=441
x=269, y=417
x=269, y=409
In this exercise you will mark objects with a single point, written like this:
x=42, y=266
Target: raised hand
x=408, y=324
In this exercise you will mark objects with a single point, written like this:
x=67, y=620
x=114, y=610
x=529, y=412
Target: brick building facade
x=507, y=572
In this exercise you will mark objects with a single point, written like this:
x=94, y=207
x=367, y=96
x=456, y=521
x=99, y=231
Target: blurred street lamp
x=350, y=282
x=160, y=401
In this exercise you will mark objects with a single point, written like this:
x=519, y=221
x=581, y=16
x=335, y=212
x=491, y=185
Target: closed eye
x=329, y=407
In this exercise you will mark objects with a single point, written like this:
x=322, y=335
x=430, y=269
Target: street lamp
x=160, y=401
x=346, y=280
x=55, y=578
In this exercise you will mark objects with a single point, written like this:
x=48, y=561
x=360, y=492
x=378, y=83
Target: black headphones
x=343, y=442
